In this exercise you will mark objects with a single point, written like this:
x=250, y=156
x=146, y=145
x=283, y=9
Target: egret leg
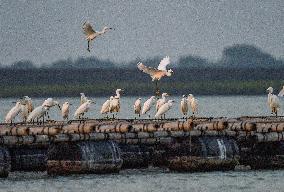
x=88, y=46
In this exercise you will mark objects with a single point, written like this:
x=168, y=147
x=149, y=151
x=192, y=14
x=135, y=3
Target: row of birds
x=24, y=107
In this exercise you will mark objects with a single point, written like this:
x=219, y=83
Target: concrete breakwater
x=103, y=146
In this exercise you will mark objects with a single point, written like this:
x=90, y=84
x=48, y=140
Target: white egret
x=27, y=107
x=193, y=104
x=164, y=108
x=37, y=113
x=161, y=101
x=82, y=109
x=273, y=101
x=83, y=99
x=13, y=113
x=157, y=74
x=106, y=106
x=184, y=105
x=91, y=34
x=137, y=106
x=147, y=105
x=281, y=93
x=115, y=102
x=49, y=102
x=65, y=110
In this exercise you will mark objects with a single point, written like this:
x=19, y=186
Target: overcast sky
x=44, y=31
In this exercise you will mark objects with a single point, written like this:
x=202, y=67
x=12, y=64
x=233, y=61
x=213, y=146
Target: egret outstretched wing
x=145, y=69
x=88, y=29
x=163, y=64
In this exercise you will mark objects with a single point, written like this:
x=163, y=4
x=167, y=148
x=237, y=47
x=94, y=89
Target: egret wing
x=88, y=29
x=145, y=69
x=281, y=93
x=163, y=64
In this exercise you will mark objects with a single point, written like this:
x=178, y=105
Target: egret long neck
x=117, y=94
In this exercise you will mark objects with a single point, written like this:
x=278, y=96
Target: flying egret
x=161, y=101
x=137, y=106
x=27, y=107
x=281, y=93
x=13, y=113
x=193, y=104
x=115, y=102
x=106, y=106
x=82, y=109
x=157, y=74
x=273, y=101
x=49, y=102
x=91, y=34
x=37, y=113
x=164, y=108
x=184, y=105
x=65, y=110
x=147, y=105
x=83, y=99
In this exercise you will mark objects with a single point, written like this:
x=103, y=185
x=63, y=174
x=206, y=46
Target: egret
x=115, y=102
x=82, y=109
x=37, y=113
x=273, y=101
x=161, y=101
x=49, y=102
x=164, y=108
x=83, y=99
x=106, y=106
x=147, y=105
x=13, y=113
x=281, y=93
x=91, y=34
x=137, y=106
x=157, y=74
x=27, y=107
x=184, y=105
x=193, y=104
x=65, y=110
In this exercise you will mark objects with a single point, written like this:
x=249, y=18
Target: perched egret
x=115, y=102
x=164, y=109
x=27, y=107
x=106, y=106
x=193, y=104
x=161, y=101
x=91, y=34
x=273, y=101
x=83, y=99
x=147, y=105
x=184, y=105
x=82, y=109
x=65, y=110
x=49, y=102
x=157, y=74
x=13, y=113
x=37, y=113
x=137, y=107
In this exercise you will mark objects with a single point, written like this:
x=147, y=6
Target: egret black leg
x=89, y=46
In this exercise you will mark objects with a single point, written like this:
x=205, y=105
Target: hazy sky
x=47, y=30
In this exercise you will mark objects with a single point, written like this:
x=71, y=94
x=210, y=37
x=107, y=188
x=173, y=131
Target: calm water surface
x=153, y=179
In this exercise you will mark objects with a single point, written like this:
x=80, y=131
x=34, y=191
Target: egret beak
x=112, y=28
x=14, y=101
x=70, y=104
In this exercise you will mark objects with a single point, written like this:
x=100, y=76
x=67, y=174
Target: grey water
x=154, y=179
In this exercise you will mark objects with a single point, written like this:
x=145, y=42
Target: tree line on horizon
x=235, y=56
